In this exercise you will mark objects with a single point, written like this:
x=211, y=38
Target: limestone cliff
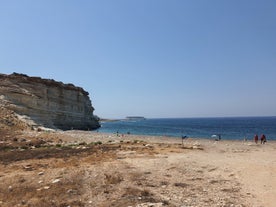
x=48, y=103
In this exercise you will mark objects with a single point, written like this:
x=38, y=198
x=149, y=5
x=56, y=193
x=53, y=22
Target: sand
x=96, y=169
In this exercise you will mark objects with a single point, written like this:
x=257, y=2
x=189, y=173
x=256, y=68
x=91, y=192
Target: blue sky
x=154, y=58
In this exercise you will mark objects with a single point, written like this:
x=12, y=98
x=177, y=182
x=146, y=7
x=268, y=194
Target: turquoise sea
x=229, y=128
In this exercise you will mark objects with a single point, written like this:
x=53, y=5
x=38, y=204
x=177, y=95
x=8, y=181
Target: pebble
x=74, y=192
x=150, y=205
x=56, y=181
x=28, y=167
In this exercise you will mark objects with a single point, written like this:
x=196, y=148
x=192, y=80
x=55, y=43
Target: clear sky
x=152, y=58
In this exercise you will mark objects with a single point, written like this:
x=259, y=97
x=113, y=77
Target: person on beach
x=256, y=138
x=263, y=139
x=183, y=137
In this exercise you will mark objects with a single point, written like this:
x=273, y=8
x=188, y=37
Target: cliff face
x=44, y=102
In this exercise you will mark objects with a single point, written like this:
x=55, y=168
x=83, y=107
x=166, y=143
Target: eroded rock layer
x=48, y=103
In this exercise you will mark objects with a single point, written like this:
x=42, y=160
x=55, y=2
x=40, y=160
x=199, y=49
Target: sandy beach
x=77, y=168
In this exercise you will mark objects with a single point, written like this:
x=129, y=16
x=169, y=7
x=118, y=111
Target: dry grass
x=26, y=176
x=26, y=190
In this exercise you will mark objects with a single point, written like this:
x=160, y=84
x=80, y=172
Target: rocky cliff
x=48, y=103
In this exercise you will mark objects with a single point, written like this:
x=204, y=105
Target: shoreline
x=151, y=138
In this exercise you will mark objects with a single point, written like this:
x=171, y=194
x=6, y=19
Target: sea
x=230, y=128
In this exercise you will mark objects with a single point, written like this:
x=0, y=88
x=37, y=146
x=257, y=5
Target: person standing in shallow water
x=256, y=138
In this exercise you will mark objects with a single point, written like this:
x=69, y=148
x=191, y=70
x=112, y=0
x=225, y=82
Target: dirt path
x=225, y=174
x=253, y=166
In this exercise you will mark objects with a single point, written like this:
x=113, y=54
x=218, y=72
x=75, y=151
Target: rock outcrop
x=47, y=103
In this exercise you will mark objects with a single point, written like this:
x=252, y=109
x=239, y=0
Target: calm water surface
x=229, y=128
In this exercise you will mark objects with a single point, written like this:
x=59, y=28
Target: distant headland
x=135, y=117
